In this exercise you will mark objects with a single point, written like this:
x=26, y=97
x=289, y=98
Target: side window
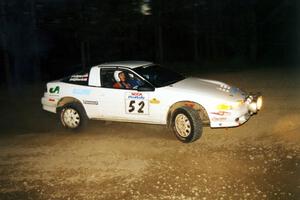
x=134, y=81
x=119, y=79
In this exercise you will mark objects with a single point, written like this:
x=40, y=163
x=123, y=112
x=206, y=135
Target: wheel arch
x=65, y=100
x=196, y=106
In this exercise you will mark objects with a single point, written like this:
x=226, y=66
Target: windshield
x=159, y=76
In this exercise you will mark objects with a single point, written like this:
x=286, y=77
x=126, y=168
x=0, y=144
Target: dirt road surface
x=110, y=160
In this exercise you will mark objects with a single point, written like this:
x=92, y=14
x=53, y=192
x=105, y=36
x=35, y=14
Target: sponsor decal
x=222, y=107
x=54, y=90
x=83, y=77
x=221, y=113
x=90, y=102
x=136, y=103
x=79, y=91
x=135, y=95
x=154, y=101
x=219, y=119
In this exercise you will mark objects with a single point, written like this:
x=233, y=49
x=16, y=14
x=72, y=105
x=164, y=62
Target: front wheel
x=186, y=124
x=73, y=116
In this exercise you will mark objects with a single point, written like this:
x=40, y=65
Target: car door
x=126, y=104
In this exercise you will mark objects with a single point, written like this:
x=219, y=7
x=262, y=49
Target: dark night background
x=43, y=40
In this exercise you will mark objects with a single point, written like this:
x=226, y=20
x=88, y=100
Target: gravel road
x=112, y=160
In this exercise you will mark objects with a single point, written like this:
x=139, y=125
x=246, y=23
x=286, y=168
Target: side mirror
x=145, y=89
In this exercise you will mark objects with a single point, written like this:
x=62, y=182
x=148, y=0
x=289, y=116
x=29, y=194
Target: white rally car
x=143, y=92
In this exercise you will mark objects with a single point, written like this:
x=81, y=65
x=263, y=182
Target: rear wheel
x=73, y=116
x=186, y=124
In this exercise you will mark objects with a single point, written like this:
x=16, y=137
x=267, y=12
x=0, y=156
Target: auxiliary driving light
x=253, y=107
x=259, y=102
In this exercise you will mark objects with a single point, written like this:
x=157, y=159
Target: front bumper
x=236, y=117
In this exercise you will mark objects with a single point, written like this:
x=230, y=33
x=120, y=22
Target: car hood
x=209, y=88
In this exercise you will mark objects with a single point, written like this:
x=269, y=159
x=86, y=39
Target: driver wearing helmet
x=121, y=83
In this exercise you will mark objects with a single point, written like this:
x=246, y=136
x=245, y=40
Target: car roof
x=128, y=64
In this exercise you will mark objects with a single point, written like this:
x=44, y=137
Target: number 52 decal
x=137, y=105
x=140, y=107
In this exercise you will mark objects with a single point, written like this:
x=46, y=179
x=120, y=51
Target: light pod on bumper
x=255, y=103
x=259, y=102
x=253, y=107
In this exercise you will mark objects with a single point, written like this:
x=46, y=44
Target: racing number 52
x=141, y=105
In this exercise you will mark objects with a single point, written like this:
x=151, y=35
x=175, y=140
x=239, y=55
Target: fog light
x=253, y=107
x=259, y=102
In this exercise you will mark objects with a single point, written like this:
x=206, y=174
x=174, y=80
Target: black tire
x=78, y=118
x=186, y=124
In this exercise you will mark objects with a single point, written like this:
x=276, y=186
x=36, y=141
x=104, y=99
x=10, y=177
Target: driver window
x=119, y=79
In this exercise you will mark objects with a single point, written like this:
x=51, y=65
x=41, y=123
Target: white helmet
x=116, y=75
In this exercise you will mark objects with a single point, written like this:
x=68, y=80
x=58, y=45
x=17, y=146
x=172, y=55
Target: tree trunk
x=36, y=57
x=88, y=53
x=298, y=33
x=4, y=39
x=253, y=41
x=160, y=55
x=214, y=29
x=159, y=52
x=196, y=32
x=83, y=54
